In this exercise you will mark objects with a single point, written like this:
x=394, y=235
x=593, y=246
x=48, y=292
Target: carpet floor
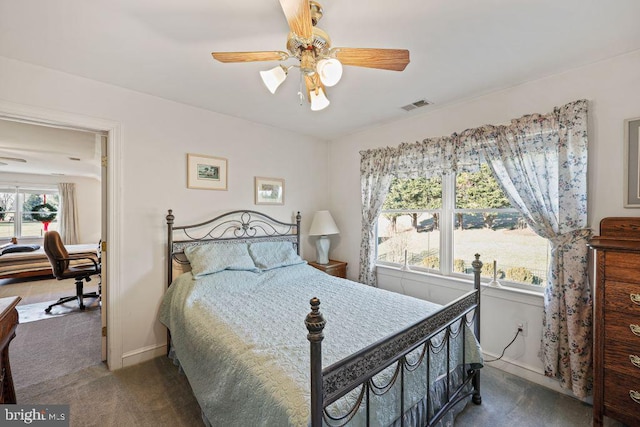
x=56, y=361
x=40, y=289
x=55, y=347
x=151, y=394
x=508, y=400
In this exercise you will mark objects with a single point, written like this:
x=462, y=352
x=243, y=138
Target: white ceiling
x=459, y=49
x=44, y=150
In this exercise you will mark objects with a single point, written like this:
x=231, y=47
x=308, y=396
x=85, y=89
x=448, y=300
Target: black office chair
x=60, y=259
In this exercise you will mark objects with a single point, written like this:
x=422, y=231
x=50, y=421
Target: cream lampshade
x=323, y=225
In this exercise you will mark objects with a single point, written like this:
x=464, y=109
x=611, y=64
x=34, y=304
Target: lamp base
x=495, y=284
x=322, y=246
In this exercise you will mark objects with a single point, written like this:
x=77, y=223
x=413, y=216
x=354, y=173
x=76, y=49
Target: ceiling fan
x=320, y=64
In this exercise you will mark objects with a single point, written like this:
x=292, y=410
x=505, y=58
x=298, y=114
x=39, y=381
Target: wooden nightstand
x=334, y=268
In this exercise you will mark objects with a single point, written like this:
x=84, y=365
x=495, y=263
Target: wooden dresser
x=8, y=323
x=616, y=391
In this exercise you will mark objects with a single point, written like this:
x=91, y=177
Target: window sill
x=464, y=285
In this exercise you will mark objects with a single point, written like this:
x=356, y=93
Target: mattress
x=22, y=264
x=241, y=340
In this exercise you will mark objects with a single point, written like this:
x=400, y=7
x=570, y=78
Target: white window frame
x=446, y=226
x=20, y=191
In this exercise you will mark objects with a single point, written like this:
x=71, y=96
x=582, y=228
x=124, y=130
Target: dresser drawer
x=621, y=296
x=620, y=327
x=618, y=402
x=622, y=266
x=622, y=357
x=338, y=271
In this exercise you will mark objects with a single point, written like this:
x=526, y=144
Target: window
x=440, y=223
x=410, y=222
x=21, y=210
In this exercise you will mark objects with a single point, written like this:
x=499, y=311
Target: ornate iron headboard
x=236, y=226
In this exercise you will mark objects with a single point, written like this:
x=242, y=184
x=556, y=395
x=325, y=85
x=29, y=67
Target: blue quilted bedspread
x=241, y=340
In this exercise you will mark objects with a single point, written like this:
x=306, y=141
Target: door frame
x=47, y=117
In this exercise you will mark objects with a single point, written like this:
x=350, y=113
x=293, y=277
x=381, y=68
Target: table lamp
x=323, y=225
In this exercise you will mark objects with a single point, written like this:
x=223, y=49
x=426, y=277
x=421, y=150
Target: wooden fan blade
x=250, y=56
x=385, y=59
x=298, y=14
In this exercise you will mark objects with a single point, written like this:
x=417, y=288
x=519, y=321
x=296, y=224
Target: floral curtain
x=376, y=169
x=541, y=163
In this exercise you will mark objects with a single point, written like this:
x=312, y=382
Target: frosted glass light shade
x=274, y=77
x=330, y=71
x=318, y=99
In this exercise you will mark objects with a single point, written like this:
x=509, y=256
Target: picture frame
x=269, y=191
x=206, y=172
x=632, y=163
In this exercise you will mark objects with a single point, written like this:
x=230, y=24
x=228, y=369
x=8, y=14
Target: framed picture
x=632, y=163
x=269, y=191
x=206, y=172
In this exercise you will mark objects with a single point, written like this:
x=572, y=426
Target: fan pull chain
x=300, y=92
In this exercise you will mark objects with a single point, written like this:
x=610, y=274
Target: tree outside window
x=21, y=208
x=481, y=221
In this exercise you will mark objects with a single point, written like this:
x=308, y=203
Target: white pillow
x=270, y=255
x=214, y=257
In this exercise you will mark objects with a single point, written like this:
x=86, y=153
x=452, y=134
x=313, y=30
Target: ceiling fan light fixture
x=318, y=99
x=330, y=71
x=274, y=77
x=320, y=64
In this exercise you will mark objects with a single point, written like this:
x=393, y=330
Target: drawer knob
x=635, y=360
x=635, y=298
x=634, y=395
x=635, y=329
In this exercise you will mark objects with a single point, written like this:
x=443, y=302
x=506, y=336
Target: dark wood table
x=8, y=324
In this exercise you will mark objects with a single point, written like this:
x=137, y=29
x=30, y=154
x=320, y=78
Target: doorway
x=50, y=180
x=108, y=133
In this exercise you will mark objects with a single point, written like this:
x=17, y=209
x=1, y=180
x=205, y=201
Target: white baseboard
x=140, y=355
x=535, y=375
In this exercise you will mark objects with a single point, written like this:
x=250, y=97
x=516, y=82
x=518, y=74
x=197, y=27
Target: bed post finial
x=315, y=321
x=477, y=264
x=315, y=324
x=170, y=217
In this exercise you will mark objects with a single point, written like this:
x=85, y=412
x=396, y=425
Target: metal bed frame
x=358, y=370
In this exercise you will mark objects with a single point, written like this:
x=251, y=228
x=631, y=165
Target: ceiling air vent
x=417, y=104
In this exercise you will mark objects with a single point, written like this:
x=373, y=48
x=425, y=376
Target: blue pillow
x=215, y=257
x=270, y=255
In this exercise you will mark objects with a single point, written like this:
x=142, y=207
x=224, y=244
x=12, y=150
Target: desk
x=8, y=324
